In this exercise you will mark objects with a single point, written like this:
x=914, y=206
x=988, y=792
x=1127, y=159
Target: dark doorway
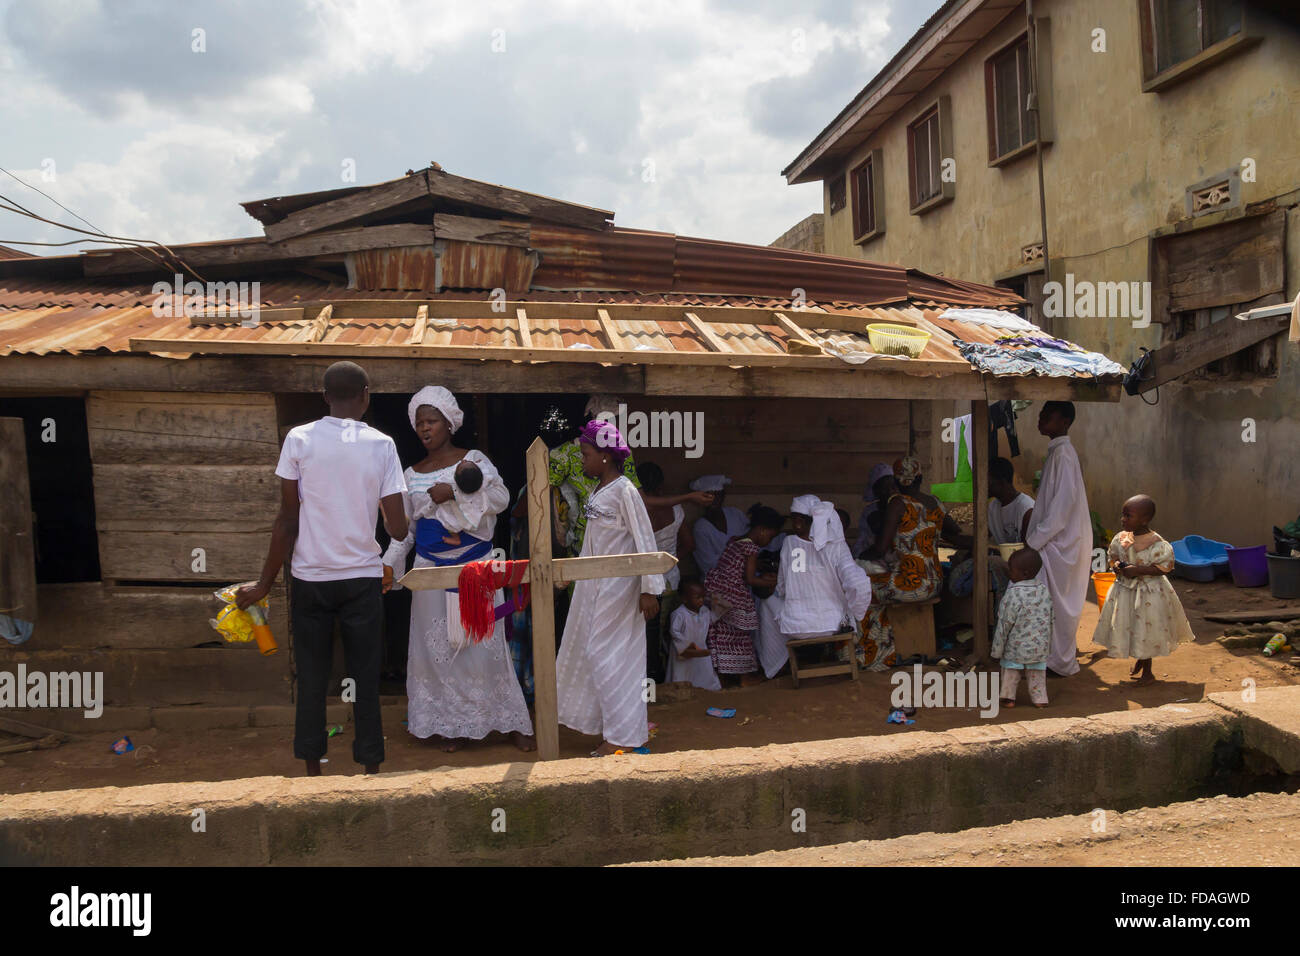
x=63, y=489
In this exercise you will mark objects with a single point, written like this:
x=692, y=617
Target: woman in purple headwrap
x=601, y=669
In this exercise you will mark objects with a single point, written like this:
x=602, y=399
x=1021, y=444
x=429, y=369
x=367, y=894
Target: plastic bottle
x=1274, y=645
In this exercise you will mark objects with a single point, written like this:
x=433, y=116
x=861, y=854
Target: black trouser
x=357, y=604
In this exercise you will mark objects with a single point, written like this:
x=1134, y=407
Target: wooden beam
x=421, y=323
x=564, y=571
x=238, y=252
x=385, y=197
x=712, y=338
x=487, y=309
x=1210, y=344
x=500, y=232
x=18, y=592
x=320, y=325
x=63, y=374
x=798, y=337
x=291, y=314
x=444, y=185
x=525, y=333
x=546, y=721
x=980, y=467
x=611, y=333
x=515, y=354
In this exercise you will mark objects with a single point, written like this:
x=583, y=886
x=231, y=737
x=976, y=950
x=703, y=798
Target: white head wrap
x=826, y=526
x=710, y=483
x=442, y=400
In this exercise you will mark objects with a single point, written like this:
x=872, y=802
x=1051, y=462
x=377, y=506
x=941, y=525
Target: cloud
x=569, y=99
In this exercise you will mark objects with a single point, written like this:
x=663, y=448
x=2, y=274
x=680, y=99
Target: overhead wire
x=138, y=247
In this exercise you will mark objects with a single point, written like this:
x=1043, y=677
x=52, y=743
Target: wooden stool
x=849, y=667
x=913, y=626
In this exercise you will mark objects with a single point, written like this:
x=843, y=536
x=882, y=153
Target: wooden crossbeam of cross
x=544, y=573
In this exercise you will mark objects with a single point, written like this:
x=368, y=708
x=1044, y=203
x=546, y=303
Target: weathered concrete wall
x=807, y=234
x=1116, y=171
x=660, y=806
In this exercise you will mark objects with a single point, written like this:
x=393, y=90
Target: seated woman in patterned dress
x=909, y=547
x=730, y=584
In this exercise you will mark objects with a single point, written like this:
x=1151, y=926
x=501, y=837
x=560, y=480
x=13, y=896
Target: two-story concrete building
x=1156, y=142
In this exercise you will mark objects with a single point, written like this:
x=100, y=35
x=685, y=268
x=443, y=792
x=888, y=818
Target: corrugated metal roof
x=7, y=253
x=660, y=262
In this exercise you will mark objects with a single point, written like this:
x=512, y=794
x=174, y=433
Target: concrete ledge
x=1270, y=724
x=675, y=805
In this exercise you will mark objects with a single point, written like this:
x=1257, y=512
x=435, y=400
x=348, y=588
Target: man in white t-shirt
x=1009, y=509
x=334, y=474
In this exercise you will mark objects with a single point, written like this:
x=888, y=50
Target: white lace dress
x=472, y=691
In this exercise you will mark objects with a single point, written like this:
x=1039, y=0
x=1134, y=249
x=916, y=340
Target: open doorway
x=62, y=486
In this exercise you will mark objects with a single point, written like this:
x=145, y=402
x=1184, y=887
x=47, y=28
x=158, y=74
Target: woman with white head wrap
x=456, y=689
x=820, y=587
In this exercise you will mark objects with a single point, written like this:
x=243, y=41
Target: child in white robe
x=690, y=659
x=1142, y=617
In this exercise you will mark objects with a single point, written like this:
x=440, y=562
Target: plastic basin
x=1249, y=566
x=1284, y=576
x=897, y=339
x=1007, y=550
x=1101, y=583
x=1199, y=559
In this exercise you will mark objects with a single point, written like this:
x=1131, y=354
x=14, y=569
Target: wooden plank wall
x=178, y=471
x=174, y=471
x=774, y=449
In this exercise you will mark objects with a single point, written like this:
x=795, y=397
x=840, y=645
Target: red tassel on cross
x=477, y=583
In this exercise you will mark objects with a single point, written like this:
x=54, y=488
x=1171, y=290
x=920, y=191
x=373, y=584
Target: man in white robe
x=818, y=587
x=1060, y=529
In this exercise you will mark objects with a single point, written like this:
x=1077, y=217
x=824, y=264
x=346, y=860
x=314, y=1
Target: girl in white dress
x=1142, y=617
x=456, y=690
x=601, y=669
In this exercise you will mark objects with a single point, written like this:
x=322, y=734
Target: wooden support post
x=546, y=721
x=611, y=332
x=525, y=333
x=321, y=324
x=421, y=323
x=980, y=468
x=799, y=342
x=711, y=338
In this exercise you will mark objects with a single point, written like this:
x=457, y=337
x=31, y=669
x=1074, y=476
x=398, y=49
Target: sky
x=154, y=119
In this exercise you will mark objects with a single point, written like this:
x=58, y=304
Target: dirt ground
x=1258, y=830
x=773, y=712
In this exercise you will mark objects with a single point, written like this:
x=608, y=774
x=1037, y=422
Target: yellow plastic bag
x=250, y=624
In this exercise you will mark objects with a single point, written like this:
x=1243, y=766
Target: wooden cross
x=543, y=574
